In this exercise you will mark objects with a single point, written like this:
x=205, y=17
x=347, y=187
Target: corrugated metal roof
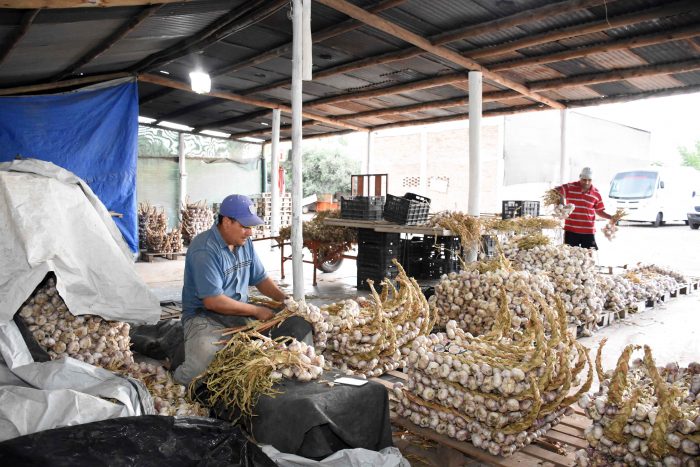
x=59, y=38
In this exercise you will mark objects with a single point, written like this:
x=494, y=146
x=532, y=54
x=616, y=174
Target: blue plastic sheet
x=91, y=132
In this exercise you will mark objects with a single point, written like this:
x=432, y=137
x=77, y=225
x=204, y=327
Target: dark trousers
x=578, y=239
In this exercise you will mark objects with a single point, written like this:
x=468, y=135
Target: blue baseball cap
x=240, y=208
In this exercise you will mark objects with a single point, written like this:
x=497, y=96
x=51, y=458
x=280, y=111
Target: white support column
x=297, y=239
x=183, y=173
x=368, y=159
x=275, y=175
x=423, y=181
x=563, y=163
x=475, y=109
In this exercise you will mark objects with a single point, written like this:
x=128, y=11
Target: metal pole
x=297, y=239
x=423, y=183
x=563, y=166
x=475, y=108
x=368, y=161
x=275, y=175
x=183, y=173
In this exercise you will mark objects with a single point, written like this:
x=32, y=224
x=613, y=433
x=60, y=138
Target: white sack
x=50, y=220
x=387, y=457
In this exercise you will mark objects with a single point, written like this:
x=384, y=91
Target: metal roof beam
x=159, y=80
x=443, y=52
x=232, y=121
x=627, y=43
x=62, y=84
x=22, y=4
x=25, y=23
x=115, y=37
x=615, y=75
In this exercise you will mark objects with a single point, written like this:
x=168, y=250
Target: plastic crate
x=375, y=274
x=375, y=255
x=370, y=237
x=433, y=269
x=361, y=207
x=511, y=209
x=488, y=245
x=411, y=209
x=440, y=256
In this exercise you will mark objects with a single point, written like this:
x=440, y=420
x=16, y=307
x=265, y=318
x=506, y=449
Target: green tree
x=691, y=157
x=324, y=170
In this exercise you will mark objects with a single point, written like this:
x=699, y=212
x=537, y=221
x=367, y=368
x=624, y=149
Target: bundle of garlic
x=99, y=342
x=471, y=297
x=501, y=390
x=374, y=336
x=643, y=415
x=610, y=228
x=562, y=211
x=467, y=227
x=314, y=316
x=250, y=364
x=168, y=396
x=571, y=271
x=555, y=199
x=196, y=218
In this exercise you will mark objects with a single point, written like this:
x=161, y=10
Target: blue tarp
x=91, y=132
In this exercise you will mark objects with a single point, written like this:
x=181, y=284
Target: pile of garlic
x=153, y=231
x=372, y=336
x=471, y=297
x=168, y=396
x=305, y=364
x=616, y=291
x=649, y=284
x=572, y=273
x=99, y=342
x=314, y=316
x=499, y=391
x=643, y=415
x=196, y=218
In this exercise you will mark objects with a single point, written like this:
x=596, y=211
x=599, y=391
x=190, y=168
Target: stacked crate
x=375, y=250
x=263, y=206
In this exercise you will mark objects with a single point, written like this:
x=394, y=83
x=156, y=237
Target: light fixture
x=200, y=82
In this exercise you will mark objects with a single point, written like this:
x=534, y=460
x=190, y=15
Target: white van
x=655, y=194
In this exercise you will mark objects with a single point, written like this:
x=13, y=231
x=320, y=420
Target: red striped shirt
x=582, y=220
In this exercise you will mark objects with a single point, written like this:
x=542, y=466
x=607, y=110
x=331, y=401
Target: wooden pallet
x=170, y=310
x=557, y=446
x=148, y=257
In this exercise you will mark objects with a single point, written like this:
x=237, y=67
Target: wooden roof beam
x=27, y=20
x=159, y=80
x=107, y=44
x=443, y=52
x=616, y=75
x=587, y=28
x=446, y=37
x=627, y=43
x=61, y=84
x=615, y=99
x=231, y=121
x=264, y=131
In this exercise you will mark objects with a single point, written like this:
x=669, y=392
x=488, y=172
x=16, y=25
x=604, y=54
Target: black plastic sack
x=149, y=440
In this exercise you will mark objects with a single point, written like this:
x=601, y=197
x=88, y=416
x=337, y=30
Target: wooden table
x=389, y=227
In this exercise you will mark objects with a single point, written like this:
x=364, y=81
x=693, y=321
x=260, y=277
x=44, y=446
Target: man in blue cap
x=221, y=264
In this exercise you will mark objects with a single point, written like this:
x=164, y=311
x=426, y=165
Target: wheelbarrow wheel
x=330, y=265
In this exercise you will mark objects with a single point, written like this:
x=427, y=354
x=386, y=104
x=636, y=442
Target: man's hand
x=263, y=313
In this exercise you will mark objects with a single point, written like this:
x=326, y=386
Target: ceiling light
x=175, y=126
x=219, y=134
x=146, y=119
x=164, y=72
x=200, y=82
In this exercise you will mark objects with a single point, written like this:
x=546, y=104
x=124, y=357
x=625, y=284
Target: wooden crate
x=148, y=257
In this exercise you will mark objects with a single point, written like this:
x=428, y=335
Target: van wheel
x=659, y=219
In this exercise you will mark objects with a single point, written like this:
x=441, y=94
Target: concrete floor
x=672, y=330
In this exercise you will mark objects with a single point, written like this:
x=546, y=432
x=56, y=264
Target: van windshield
x=637, y=184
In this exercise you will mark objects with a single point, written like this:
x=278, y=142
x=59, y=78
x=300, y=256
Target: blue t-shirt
x=212, y=269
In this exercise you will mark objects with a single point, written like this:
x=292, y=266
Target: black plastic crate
x=441, y=247
x=375, y=255
x=433, y=269
x=361, y=207
x=511, y=209
x=411, y=209
x=370, y=237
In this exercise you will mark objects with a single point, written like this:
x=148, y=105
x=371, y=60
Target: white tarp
x=50, y=220
x=40, y=396
x=387, y=457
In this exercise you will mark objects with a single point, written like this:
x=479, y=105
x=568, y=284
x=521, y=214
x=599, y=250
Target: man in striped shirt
x=579, y=227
